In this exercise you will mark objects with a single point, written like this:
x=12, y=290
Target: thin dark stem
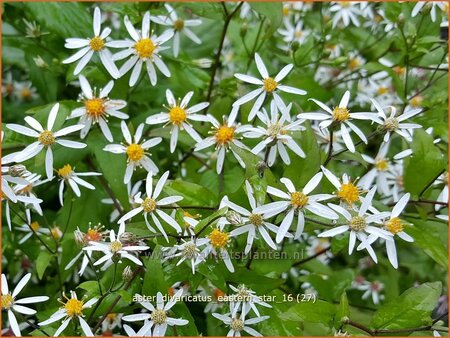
x=200, y=207
x=431, y=182
x=330, y=148
x=95, y=272
x=207, y=225
x=361, y=327
x=252, y=53
x=68, y=220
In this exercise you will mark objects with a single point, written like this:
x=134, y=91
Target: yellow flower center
x=270, y=85
x=190, y=250
x=224, y=134
x=95, y=107
x=416, y=101
x=218, y=238
x=46, y=138
x=237, y=324
x=399, y=70
x=96, y=44
x=298, y=34
x=341, y=114
x=74, y=307
x=217, y=293
x=395, y=225
x=285, y=10
x=349, y=193
x=353, y=63
x=56, y=232
x=115, y=246
x=177, y=115
x=145, y=48
x=135, y=152
x=382, y=164
x=65, y=171
x=345, y=4
x=298, y=199
x=158, y=316
x=149, y=204
x=178, y=25
x=382, y=90
x=35, y=226
x=111, y=317
x=7, y=301
x=255, y=219
x=93, y=235
x=275, y=130
x=391, y=124
x=358, y=223
x=25, y=93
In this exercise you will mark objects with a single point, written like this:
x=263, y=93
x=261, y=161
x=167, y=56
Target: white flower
x=275, y=135
x=11, y=304
x=443, y=6
x=359, y=225
x=188, y=250
x=97, y=108
x=177, y=26
x=345, y=11
x=218, y=241
x=158, y=319
x=152, y=205
x=72, y=309
x=291, y=33
x=46, y=138
x=144, y=331
x=347, y=191
x=132, y=191
x=136, y=151
x=30, y=228
x=244, y=300
x=237, y=325
x=252, y=223
x=268, y=85
x=224, y=135
x=68, y=176
x=371, y=289
x=96, y=44
x=178, y=115
x=24, y=192
x=379, y=172
x=296, y=202
x=394, y=123
x=115, y=249
x=24, y=91
x=143, y=49
x=339, y=115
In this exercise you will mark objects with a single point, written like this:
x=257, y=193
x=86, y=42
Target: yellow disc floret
x=394, y=225
x=218, y=238
x=46, y=138
x=224, y=134
x=256, y=219
x=299, y=199
x=349, y=193
x=237, y=324
x=358, y=223
x=177, y=115
x=35, y=226
x=96, y=43
x=178, y=25
x=65, y=171
x=382, y=164
x=158, y=316
x=7, y=301
x=115, y=246
x=135, y=152
x=74, y=307
x=95, y=107
x=270, y=84
x=145, y=48
x=341, y=114
x=149, y=204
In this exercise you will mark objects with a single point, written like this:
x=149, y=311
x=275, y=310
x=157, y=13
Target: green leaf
x=90, y=286
x=273, y=11
x=343, y=310
x=425, y=164
x=154, y=277
x=311, y=312
x=411, y=309
x=193, y=194
x=43, y=261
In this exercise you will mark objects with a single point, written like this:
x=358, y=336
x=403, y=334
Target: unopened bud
x=203, y=63
x=128, y=238
x=243, y=31
x=40, y=62
x=233, y=217
x=127, y=274
x=17, y=170
x=79, y=237
x=295, y=45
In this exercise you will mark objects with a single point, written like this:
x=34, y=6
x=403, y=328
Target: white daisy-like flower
x=291, y=33
x=135, y=150
x=275, y=135
x=217, y=297
x=347, y=191
x=252, y=223
x=395, y=123
x=395, y=226
x=339, y=115
x=325, y=138
x=224, y=134
x=346, y=12
x=268, y=86
x=152, y=205
x=237, y=325
x=46, y=138
x=296, y=202
x=115, y=249
x=144, y=331
x=372, y=289
x=218, y=240
x=394, y=178
x=358, y=224
x=24, y=91
x=132, y=190
x=179, y=115
x=177, y=26
x=245, y=299
x=25, y=192
x=96, y=44
x=158, y=319
x=111, y=321
x=31, y=228
x=97, y=108
x=142, y=50
x=442, y=5
x=379, y=173
x=68, y=176
x=72, y=309
x=11, y=304
x=188, y=250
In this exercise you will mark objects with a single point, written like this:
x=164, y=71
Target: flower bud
x=17, y=170
x=294, y=46
x=128, y=238
x=243, y=31
x=79, y=237
x=233, y=217
x=127, y=274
